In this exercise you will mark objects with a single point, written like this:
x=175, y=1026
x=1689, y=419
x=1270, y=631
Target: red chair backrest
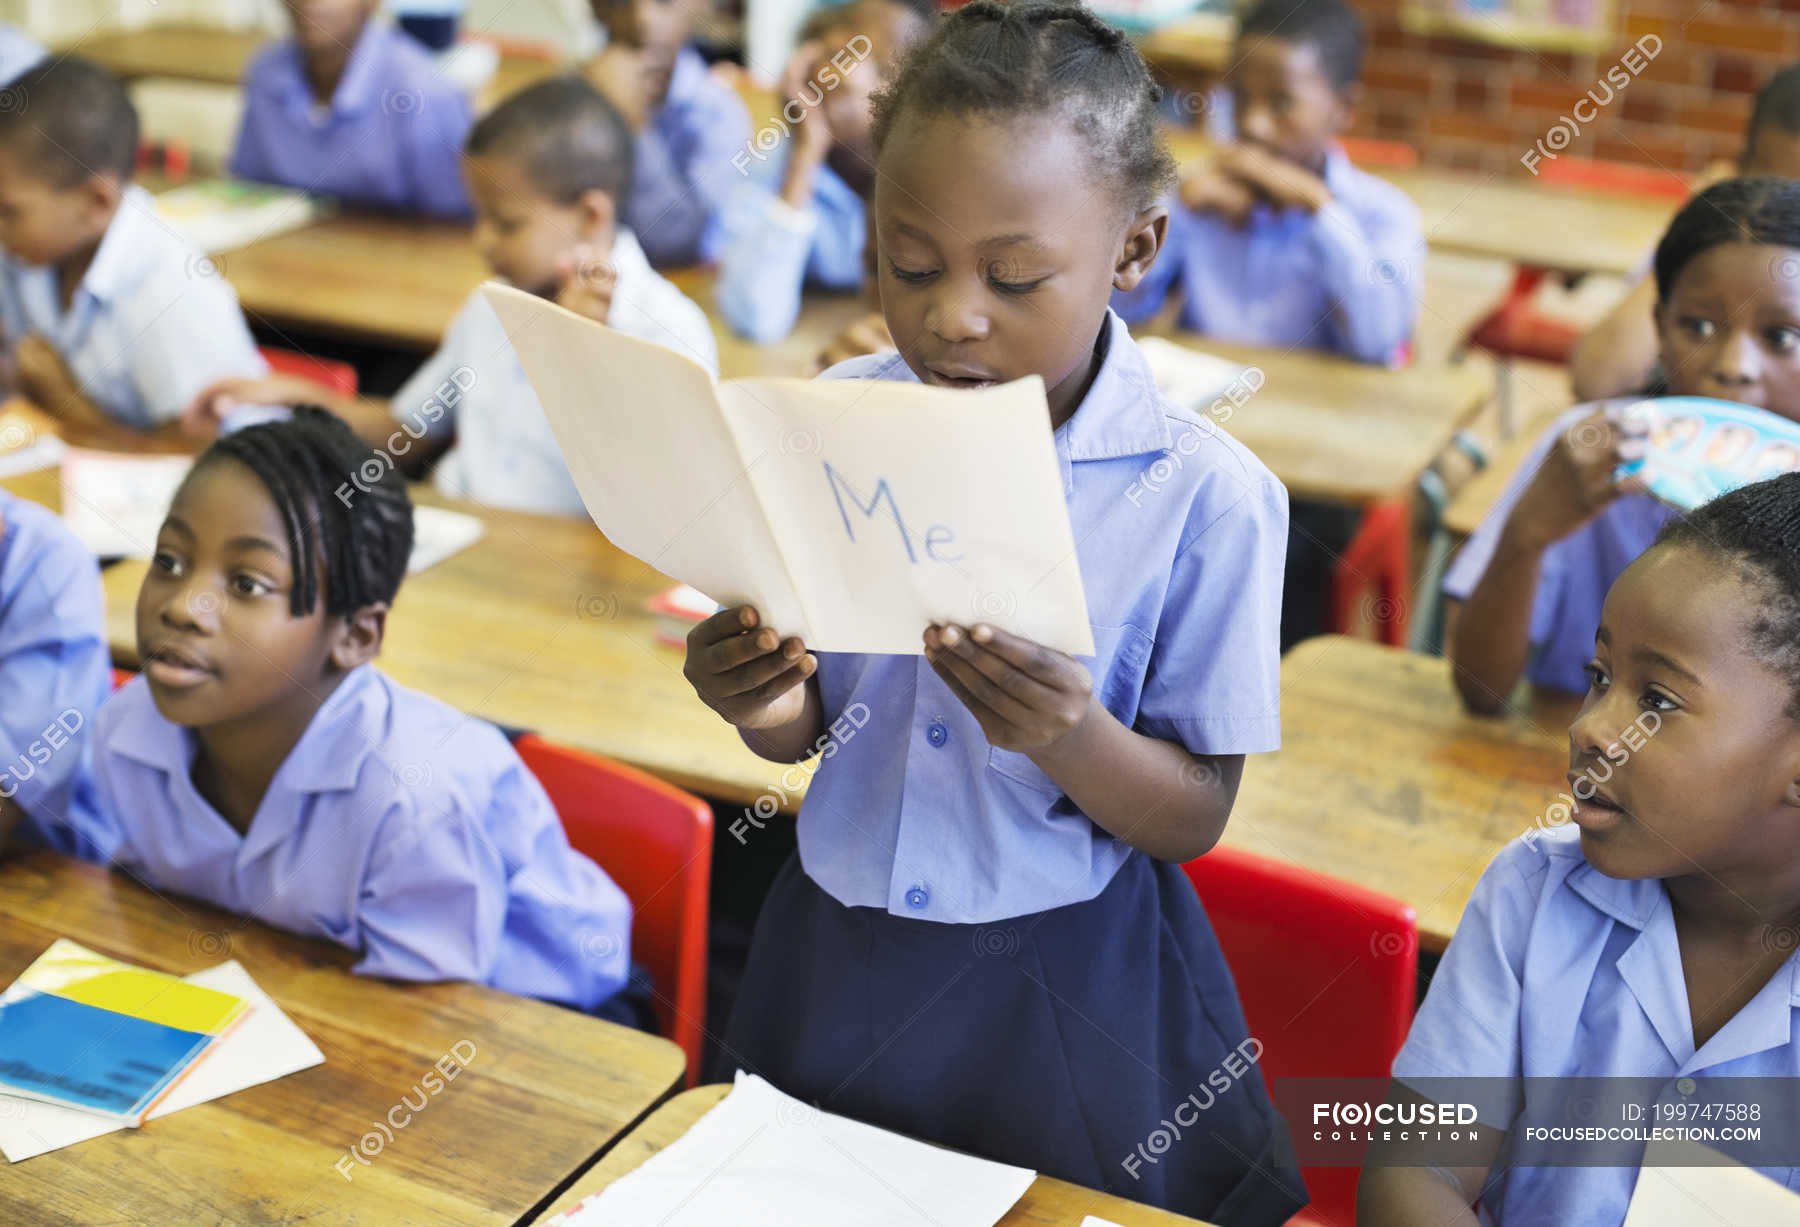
x=1372, y=154
x=121, y=676
x=1327, y=972
x=340, y=377
x=1621, y=177
x=655, y=841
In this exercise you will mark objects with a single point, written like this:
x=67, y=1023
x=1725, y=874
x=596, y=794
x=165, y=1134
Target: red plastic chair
x=340, y=377
x=1327, y=972
x=655, y=841
x=1378, y=561
x=121, y=676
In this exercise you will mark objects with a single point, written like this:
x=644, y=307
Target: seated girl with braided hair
x=263, y=764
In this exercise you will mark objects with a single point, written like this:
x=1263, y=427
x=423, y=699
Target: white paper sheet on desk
x=765, y=1159
x=265, y=1046
x=850, y=512
x=1673, y=1190
x=1188, y=377
x=115, y=504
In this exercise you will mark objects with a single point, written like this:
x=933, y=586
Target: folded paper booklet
x=849, y=512
x=92, y=1033
x=1701, y=448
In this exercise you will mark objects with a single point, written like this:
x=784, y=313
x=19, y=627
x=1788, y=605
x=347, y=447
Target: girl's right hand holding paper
x=747, y=672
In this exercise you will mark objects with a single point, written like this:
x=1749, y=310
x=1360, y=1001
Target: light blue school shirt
x=18, y=51
x=151, y=325
x=397, y=826
x=1558, y=971
x=682, y=170
x=771, y=249
x=1577, y=572
x=1181, y=535
x=391, y=138
x=505, y=453
x=54, y=666
x=1347, y=278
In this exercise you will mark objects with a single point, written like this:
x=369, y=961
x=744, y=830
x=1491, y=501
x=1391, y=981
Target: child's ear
x=100, y=194
x=597, y=214
x=358, y=637
x=1143, y=240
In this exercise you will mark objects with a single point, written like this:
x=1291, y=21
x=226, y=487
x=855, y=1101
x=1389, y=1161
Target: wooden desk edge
x=684, y=1109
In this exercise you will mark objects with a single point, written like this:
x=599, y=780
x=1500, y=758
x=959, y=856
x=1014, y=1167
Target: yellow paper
x=158, y=999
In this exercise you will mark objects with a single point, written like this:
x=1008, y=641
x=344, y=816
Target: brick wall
x=1475, y=106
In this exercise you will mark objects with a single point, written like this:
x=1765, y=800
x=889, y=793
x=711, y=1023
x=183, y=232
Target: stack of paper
x=1189, y=378
x=264, y=1046
x=104, y=1037
x=220, y=214
x=765, y=1159
x=115, y=504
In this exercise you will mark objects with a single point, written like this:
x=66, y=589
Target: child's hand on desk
x=745, y=671
x=586, y=281
x=1026, y=696
x=1575, y=483
x=46, y=381
x=868, y=335
x=207, y=410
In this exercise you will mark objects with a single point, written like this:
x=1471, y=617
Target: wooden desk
x=1047, y=1201
x=544, y=1090
x=220, y=55
x=1384, y=780
x=1522, y=220
x=1346, y=432
x=540, y=625
x=1192, y=52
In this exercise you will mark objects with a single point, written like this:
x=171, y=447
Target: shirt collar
x=686, y=77
x=123, y=244
x=1341, y=175
x=1122, y=413
x=328, y=757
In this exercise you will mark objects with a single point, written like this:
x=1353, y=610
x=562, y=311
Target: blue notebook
x=85, y=1031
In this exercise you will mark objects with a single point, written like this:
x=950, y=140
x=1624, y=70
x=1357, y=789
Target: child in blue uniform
x=986, y=939
x=1525, y=590
x=1653, y=937
x=262, y=763
x=53, y=663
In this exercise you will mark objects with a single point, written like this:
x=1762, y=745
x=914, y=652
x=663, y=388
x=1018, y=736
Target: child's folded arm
x=432, y=903
x=1373, y=271
x=762, y=265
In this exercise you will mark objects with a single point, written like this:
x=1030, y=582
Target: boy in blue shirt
x=1278, y=240
x=53, y=663
x=351, y=108
x=805, y=220
x=687, y=122
x=107, y=315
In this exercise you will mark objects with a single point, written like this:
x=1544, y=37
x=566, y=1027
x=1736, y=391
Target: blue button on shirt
x=682, y=169
x=391, y=138
x=1183, y=584
x=769, y=249
x=397, y=826
x=1558, y=971
x=1347, y=278
x=1577, y=572
x=54, y=666
x=151, y=325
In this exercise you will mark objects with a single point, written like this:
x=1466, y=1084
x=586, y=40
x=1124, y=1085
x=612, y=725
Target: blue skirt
x=1101, y=1043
